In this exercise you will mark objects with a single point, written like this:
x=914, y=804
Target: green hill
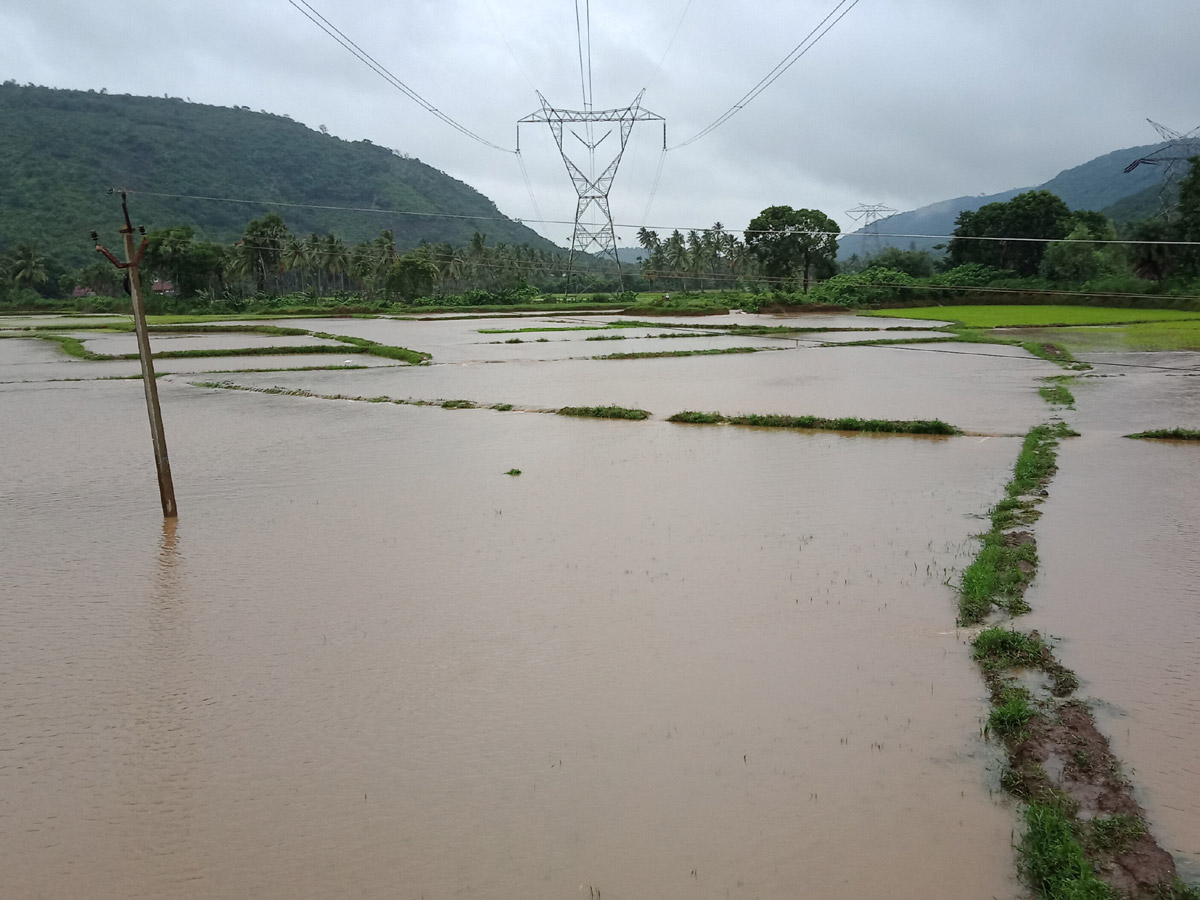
x=1100, y=184
x=60, y=152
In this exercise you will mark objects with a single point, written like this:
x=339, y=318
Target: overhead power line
x=822, y=28
x=311, y=13
x=249, y=201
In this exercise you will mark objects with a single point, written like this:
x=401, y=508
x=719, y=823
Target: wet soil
x=1064, y=755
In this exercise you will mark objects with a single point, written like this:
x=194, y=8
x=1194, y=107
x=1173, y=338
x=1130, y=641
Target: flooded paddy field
x=1120, y=579
x=663, y=661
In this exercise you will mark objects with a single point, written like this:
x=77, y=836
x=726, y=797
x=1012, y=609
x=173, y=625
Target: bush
x=970, y=275
x=870, y=286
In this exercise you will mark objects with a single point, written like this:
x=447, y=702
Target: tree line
x=1031, y=242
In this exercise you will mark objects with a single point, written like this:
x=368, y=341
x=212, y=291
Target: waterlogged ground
x=1120, y=550
x=663, y=661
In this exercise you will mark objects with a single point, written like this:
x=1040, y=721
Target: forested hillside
x=60, y=152
x=1096, y=185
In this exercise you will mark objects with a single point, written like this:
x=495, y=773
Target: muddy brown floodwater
x=664, y=661
x=1120, y=569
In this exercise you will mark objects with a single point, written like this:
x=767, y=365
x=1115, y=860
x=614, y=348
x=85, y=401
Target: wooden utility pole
x=133, y=259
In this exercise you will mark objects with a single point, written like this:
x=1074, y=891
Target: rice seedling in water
x=513, y=472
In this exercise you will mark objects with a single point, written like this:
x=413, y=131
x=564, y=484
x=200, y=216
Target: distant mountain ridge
x=1100, y=184
x=60, y=151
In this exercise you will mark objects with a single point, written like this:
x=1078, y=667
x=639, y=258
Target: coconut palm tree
x=25, y=267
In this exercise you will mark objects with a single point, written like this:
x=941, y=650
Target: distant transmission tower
x=591, y=188
x=1174, y=155
x=870, y=214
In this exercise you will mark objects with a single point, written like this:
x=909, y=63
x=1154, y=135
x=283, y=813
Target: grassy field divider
x=72, y=346
x=1085, y=833
x=819, y=423
x=386, y=351
x=276, y=390
x=1007, y=559
x=1168, y=434
x=605, y=412
x=659, y=354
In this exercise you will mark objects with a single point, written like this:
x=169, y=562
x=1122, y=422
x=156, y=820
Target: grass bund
x=1168, y=434
x=1085, y=836
x=659, y=354
x=1007, y=558
x=73, y=346
x=819, y=423
x=605, y=412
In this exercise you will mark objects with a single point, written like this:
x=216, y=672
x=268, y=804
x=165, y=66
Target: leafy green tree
x=979, y=235
x=172, y=255
x=412, y=276
x=1078, y=259
x=262, y=248
x=1189, y=216
x=793, y=241
x=917, y=263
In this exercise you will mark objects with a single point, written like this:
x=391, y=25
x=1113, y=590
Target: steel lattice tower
x=1174, y=155
x=592, y=189
x=870, y=214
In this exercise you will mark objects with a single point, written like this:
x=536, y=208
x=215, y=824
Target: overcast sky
x=904, y=102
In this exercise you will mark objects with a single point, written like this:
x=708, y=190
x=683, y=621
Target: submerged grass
x=1055, y=391
x=605, y=412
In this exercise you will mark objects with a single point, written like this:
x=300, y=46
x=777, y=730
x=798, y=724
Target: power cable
x=662, y=158
x=681, y=228
x=670, y=44
x=579, y=45
x=786, y=63
x=529, y=186
x=508, y=46
x=311, y=13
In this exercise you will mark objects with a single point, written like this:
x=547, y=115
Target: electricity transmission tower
x=592, y=189
x=870, y=214
x=1174, y=155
